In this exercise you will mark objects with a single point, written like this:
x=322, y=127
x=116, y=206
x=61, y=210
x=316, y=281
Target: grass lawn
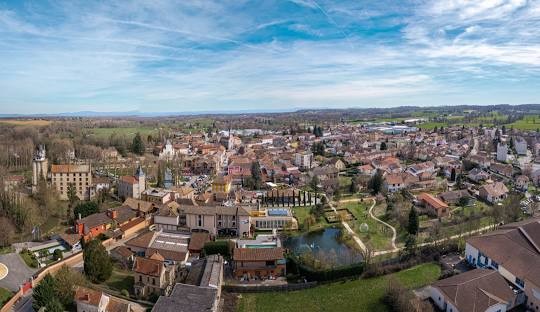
x=378, y=235
x=301, y=214
x=120, y=279
x=357, y=295
x=5, y=295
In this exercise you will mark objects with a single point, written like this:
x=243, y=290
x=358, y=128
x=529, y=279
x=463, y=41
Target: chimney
x=112, y=213
x=80, y=217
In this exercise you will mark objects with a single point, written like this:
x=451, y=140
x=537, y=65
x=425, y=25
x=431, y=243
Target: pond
x=324, y=247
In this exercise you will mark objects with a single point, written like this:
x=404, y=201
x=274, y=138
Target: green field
x=378, y=236
x=5, y=295
x=432, y=125
x=129, y=132
x=527, y=123
x=357, y=295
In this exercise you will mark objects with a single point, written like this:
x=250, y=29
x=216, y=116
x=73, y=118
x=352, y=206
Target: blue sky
x=62, y=56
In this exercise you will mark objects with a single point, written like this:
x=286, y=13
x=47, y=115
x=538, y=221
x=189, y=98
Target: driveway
x=18, y=271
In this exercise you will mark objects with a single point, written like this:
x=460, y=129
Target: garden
x=356, y=295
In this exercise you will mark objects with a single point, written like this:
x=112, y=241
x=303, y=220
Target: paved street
x=18, y=271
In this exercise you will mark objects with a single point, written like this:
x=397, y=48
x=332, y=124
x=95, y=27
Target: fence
x=268, y=288
x=39, y=275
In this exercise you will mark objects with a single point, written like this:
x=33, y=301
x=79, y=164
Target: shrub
x=125, y=293
x=57, y=254
x=217, y=247
x=29, y=258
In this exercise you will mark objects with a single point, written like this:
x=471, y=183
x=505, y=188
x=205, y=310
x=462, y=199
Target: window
x=199, y=220
x=520, y=283
x=495, y=265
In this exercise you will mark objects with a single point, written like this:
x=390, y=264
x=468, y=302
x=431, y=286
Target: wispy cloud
x=200, y=55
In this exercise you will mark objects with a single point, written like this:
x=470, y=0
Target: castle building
x=80, y=176
x=40, y=167
x=132, y=186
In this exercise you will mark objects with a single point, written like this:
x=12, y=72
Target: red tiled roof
x=432, y=201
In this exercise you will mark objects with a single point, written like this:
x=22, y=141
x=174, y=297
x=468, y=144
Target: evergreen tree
x=314, y=183
x=160, y=173
x=376, y=182
x=72, y=198
x=412, y=226
x=97, y=263
x=54, y=305
x=137, y=147
x=256, y=175
x=44, y=292
x=383, y=146
x=453, y=175
x=354, y=186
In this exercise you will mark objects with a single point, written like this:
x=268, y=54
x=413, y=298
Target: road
x=25, y=303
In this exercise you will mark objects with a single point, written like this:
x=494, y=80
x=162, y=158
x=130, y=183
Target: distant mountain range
x=135, y=113
x=146, y=114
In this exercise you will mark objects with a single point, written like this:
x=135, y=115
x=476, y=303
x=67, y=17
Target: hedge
x=324, y=275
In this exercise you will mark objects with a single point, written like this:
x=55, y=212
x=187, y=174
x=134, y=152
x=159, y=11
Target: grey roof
x=187, y=298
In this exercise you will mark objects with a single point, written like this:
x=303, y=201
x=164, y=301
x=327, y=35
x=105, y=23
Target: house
x=98, y=223
x=502, y=169
x=337, y=163
x=522, y=183
x=123, y=255
x=454, y=197
x=436, y=206
x=249, y=263
x=90, y=300
x=394, y=182
x=221, y=184
x=303, y=160
x=480, y=160
x=173, y=247
x=153, y=276
x=502, y=152
x=478, y=290
x=366, y=169
x=512, y=251
x=216, y=220
x=132, y=186
x=478, y=175
x=421, y=168
x=142, y=207
x=493, y=192
x=157, y=195
x=520, y=145
x=201, y=291
x=197, y=241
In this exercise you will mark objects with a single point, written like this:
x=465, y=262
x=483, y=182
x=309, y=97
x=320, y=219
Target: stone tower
x=40, y=167
x=141, y=177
